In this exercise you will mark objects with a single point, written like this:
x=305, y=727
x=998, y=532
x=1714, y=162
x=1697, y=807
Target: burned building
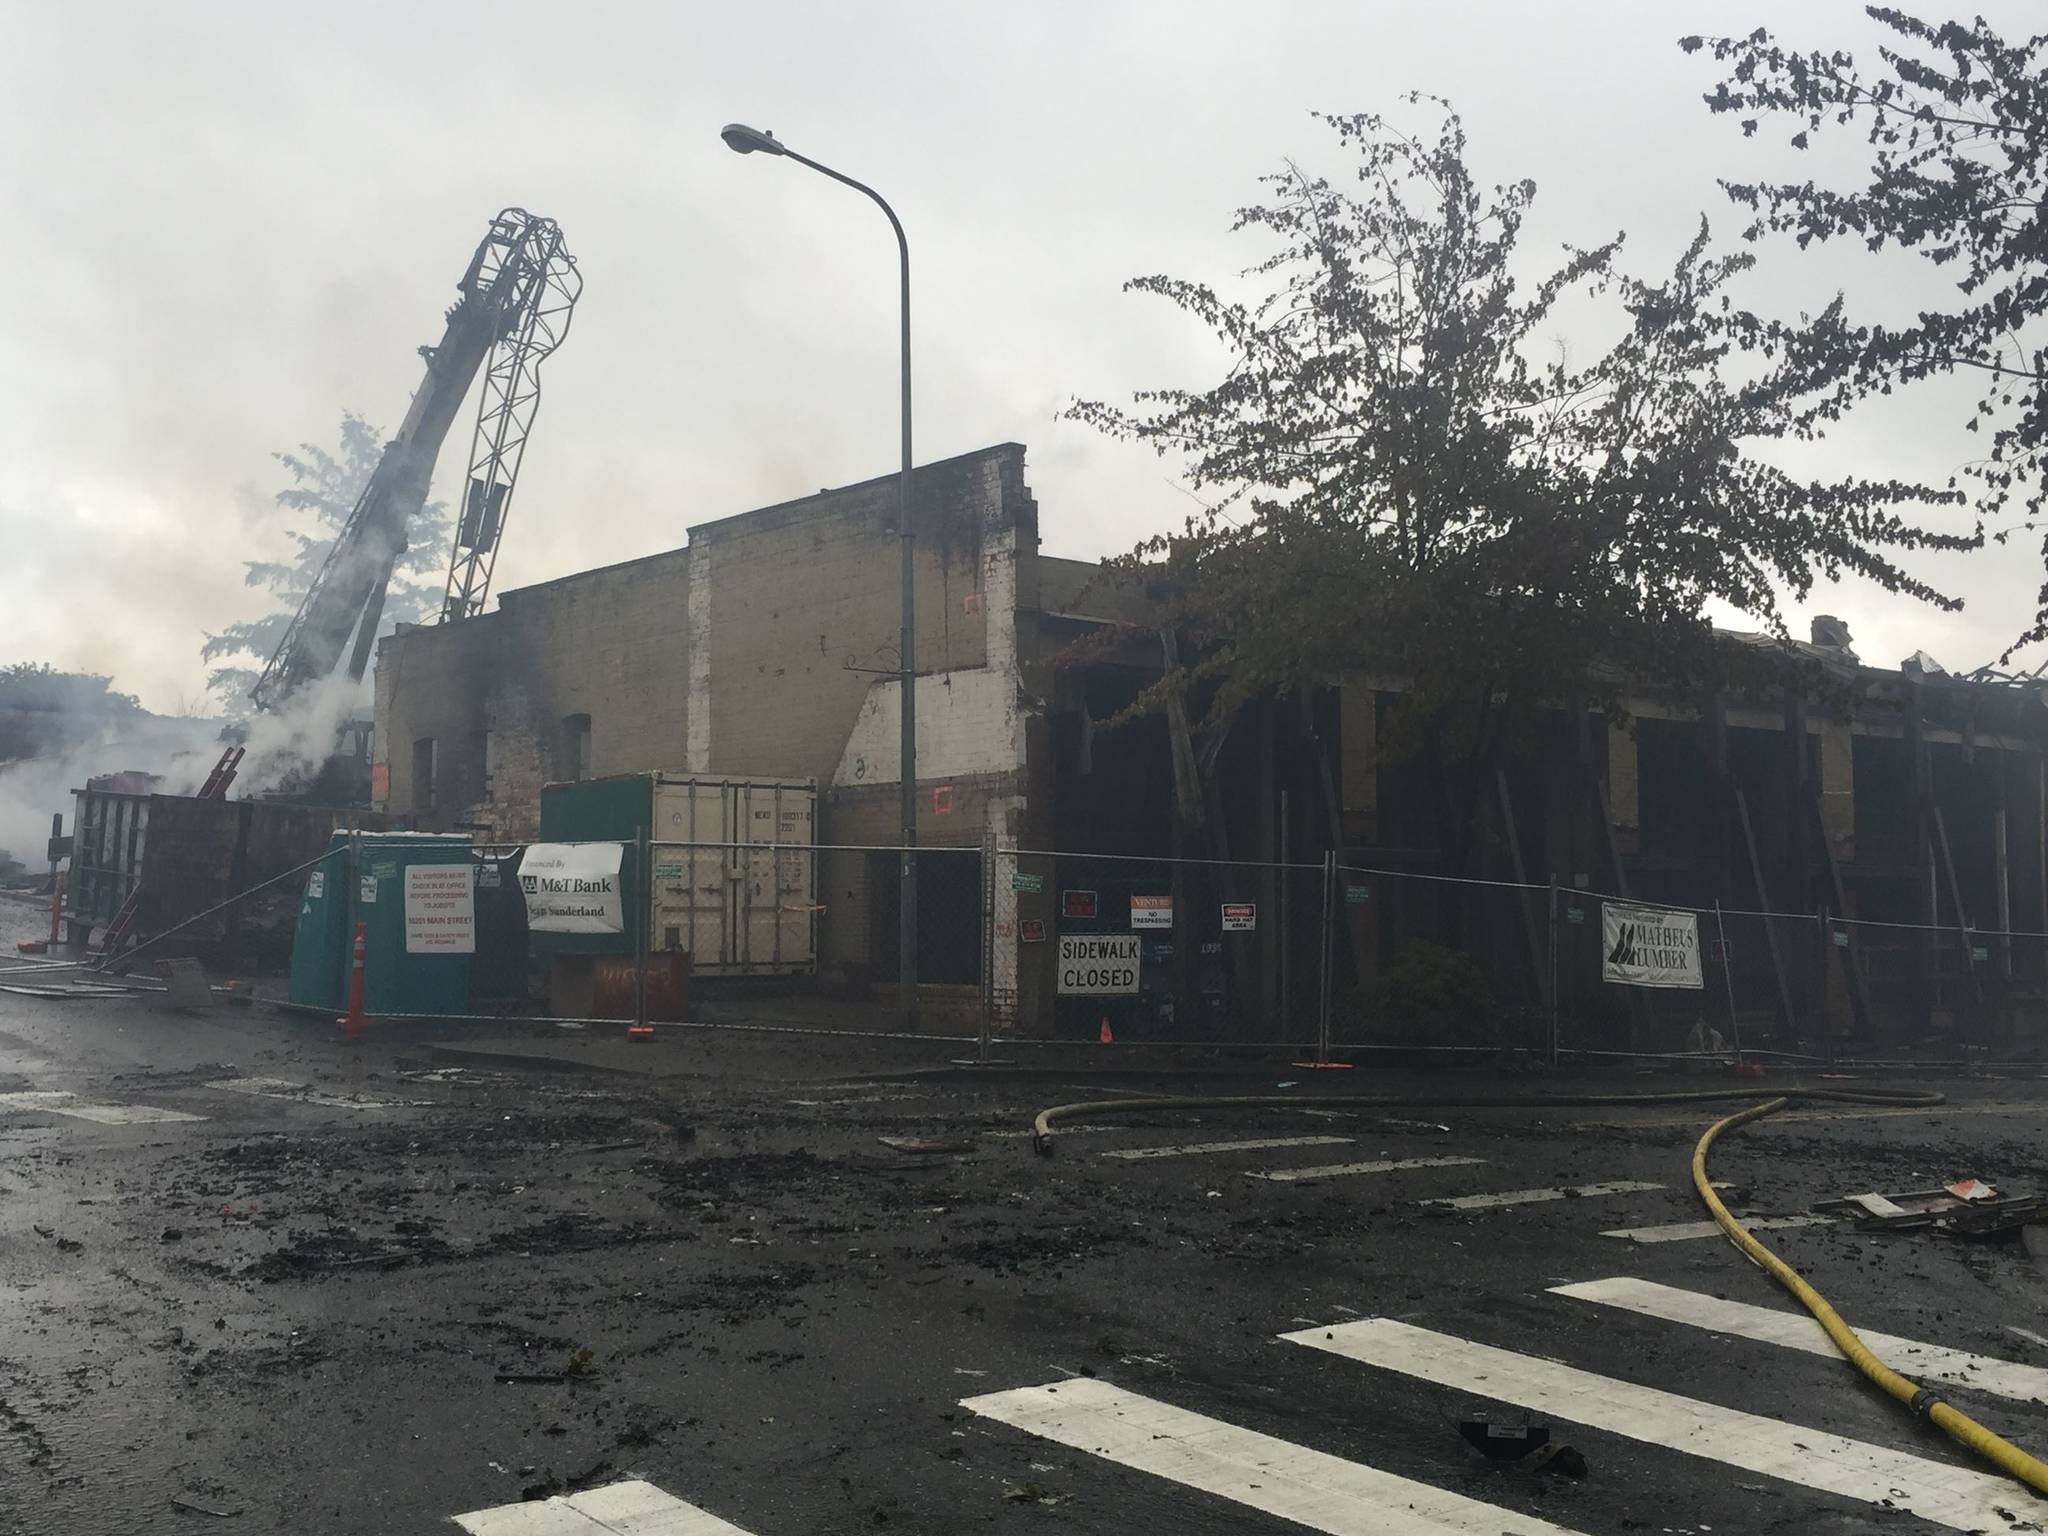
x=765, y=648
x=1844, y=798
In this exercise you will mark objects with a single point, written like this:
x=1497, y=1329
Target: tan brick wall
x=798, y=598
x=1624, y=796
x=610, y=644
x=1838, y=788
x=805, y=610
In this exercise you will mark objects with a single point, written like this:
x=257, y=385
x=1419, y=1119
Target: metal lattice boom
x=550, y=285
x=514, y=309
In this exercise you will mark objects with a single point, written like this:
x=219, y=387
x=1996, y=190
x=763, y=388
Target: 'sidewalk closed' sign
x=1098, y=964
x=1649, y=946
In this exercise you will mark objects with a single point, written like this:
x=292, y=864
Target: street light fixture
x=747, y=141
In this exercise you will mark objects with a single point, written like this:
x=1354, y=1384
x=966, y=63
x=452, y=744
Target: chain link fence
x=1018, y=947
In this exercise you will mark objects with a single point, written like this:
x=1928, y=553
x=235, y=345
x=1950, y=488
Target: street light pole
x=746, y=141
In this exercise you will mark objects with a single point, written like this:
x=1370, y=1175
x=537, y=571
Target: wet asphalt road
x=371, y=1287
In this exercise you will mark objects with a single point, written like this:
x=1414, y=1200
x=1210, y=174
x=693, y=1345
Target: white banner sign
x=1098, y=964
x=572, y=888
x=1649, y=946
x=440, y=910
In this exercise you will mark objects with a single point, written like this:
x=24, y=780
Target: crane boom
x=521, y=283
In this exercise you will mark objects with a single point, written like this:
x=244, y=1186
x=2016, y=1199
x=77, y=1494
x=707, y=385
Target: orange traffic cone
x=352, y=1022
x=1106, y=1037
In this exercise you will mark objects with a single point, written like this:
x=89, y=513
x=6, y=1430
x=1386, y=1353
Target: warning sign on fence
x=1151, y=911
x=1098, y=964
x=440, y=910
x=1240, y=916
x=1649, y=946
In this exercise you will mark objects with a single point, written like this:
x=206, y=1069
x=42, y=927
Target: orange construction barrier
x=352, y=1022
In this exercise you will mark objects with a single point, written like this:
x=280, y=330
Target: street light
x=746, y=141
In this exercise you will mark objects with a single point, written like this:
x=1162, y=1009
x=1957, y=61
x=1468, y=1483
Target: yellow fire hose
x=1958, y=1426
x=1923, y=1401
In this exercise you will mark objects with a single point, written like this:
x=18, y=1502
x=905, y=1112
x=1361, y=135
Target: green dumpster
x=414, y=895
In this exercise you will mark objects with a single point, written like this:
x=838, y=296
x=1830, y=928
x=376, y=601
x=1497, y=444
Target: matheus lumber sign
x=572, y=887
x=1649, y=947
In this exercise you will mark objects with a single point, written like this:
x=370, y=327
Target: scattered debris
x=1033, y=1493
x=1966, y=1208
x=185, y=984
x=931, y=1146
x=179, y=1501
x=1502, y=1442
x=1560, y=1458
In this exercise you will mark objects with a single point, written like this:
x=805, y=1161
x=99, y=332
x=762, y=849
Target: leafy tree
x=324, y=490
x=1409, y=477
x=43, y=710
x=1954, y=120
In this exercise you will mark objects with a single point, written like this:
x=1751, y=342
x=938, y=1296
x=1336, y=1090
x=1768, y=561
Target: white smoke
x=294, y=741
x=282, y=749
x=32, y=789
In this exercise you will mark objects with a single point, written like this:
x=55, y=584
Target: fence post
x=1728, y=976
x=1284, y=935
x=643, y=858
x=1329, y=940
x=1827, y=972
x=988, y=942
x=1553, y=969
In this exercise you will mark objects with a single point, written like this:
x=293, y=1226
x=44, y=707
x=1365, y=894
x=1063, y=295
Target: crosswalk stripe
x=296, y=1093
x=52, y=1102
x=1202, y=1148
x=1798, y=1330
x=1342, y=1170
x=1537, y=1196
x=632, y=1508
x=1954, y=1496
x=1311, y=1488
x=1688, y=1231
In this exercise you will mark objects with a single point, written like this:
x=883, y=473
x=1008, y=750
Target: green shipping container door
x=368, y=884
x=734, y=878
x=609, y=810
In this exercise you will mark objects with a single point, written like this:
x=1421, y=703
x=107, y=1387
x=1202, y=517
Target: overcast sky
x=227, y=223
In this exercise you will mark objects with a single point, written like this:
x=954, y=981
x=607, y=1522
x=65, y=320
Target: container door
x=691, y=899
x=774, y=889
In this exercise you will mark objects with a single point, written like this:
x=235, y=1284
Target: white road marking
x=48, y=1101
x=1259, y=1144
x=1687, y=1231
x=1798, y=1330
x=1536, y=1196
x=1955, y=1496
x=298, y=1093
x=1343, y=1170
x=621, y=1509
x=1311, y=1488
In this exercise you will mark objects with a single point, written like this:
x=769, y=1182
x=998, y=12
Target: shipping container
x=734, y=877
